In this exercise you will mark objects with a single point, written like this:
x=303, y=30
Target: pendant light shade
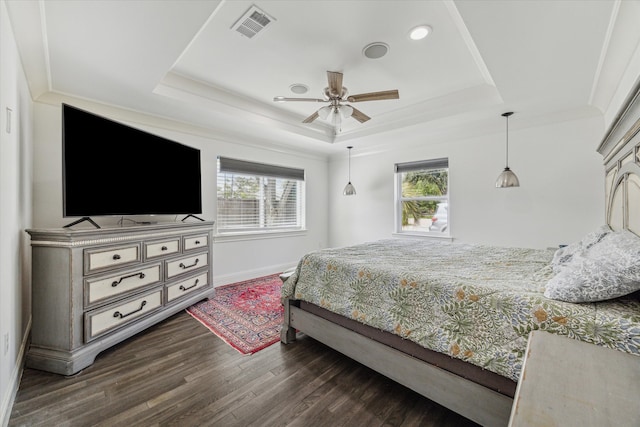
x=349, y=189
x=507, y=178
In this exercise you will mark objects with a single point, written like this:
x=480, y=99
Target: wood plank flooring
x=179, y=373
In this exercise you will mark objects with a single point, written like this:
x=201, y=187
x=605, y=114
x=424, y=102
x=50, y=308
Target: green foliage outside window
x=418, y=184
x=238, y=187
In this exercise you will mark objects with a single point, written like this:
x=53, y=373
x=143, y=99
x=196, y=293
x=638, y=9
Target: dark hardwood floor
x=179, y=373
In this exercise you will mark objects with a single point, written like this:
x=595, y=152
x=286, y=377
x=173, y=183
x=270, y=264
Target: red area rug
x=246, y=315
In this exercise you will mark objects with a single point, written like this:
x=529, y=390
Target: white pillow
x=565, y=254
x=609, y=268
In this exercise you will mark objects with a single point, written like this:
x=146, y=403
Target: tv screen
x=109, y=168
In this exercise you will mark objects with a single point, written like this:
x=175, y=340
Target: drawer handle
x=182, y=288
x=116, y=256
x=122, y=316
x=184, y=267
x=117, y=282
x=164, y=248
x=197, y=242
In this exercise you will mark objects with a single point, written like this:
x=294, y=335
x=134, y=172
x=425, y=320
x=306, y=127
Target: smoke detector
x=252, y=22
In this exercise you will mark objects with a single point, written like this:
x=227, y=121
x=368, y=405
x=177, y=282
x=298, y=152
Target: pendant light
x=507, y=178
x=349, y=189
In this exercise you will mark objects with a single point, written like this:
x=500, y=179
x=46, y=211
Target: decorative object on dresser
x=94, y=288
x=246, y=315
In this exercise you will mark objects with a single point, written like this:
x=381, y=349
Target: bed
x=453, y=325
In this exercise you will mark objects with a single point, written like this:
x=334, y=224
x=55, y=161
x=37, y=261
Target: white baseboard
x=14, y=383
x=250, y=274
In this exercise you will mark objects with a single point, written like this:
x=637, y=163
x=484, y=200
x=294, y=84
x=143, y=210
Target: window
x=256, y=197
x=422, y=197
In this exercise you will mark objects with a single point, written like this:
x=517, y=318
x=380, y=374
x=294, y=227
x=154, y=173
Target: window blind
x=244, y=167
x=421, y=165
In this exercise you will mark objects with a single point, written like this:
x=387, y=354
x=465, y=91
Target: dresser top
x=65, y=236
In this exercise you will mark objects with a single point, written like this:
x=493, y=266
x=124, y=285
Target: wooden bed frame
x=620, y=149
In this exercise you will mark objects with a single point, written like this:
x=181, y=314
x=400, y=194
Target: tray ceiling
x=184, y=60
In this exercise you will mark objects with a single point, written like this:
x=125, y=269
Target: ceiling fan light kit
x=336, y=96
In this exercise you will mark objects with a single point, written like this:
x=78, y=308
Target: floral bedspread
x=476, y=303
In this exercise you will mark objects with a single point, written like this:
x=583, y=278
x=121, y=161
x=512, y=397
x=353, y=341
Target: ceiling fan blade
x=311, y=118
x=374, y=96
x=335, y=83
x=284, y=99
x=359, y=115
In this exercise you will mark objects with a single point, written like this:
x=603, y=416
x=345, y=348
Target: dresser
x=93, y=288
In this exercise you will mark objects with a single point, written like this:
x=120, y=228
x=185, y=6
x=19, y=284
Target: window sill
x=408, y=235
x=256, y=235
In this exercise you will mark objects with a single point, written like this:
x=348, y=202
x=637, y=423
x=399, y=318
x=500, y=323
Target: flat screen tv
x=109, y=168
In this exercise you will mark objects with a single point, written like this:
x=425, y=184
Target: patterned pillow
x=609, y=268
x=565, y=254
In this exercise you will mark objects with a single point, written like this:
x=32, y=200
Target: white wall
x=15, y=215
x=233, y=259
x=561, y=196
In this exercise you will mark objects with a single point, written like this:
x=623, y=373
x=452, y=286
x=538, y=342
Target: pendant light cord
x=506, y=115
x=506, y=162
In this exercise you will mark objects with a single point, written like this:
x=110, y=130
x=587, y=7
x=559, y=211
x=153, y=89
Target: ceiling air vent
x=252, y=22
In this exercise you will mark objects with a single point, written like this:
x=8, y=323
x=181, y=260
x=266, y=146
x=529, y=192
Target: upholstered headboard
x=621, y=151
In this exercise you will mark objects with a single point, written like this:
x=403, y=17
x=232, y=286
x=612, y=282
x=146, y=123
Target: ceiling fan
x=336, y=96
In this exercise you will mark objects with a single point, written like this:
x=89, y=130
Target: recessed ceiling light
x=419, y=32
x=375, y=50
x=298, y=88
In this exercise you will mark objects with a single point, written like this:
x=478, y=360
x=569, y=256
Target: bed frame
x=484, y=404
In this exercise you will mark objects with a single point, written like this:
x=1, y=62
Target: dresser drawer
x=184, y=287
x=195, y=242
x=186, y=264
x=105, y=258
x=101, y=321
x=103, y=288
x=161, y=248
